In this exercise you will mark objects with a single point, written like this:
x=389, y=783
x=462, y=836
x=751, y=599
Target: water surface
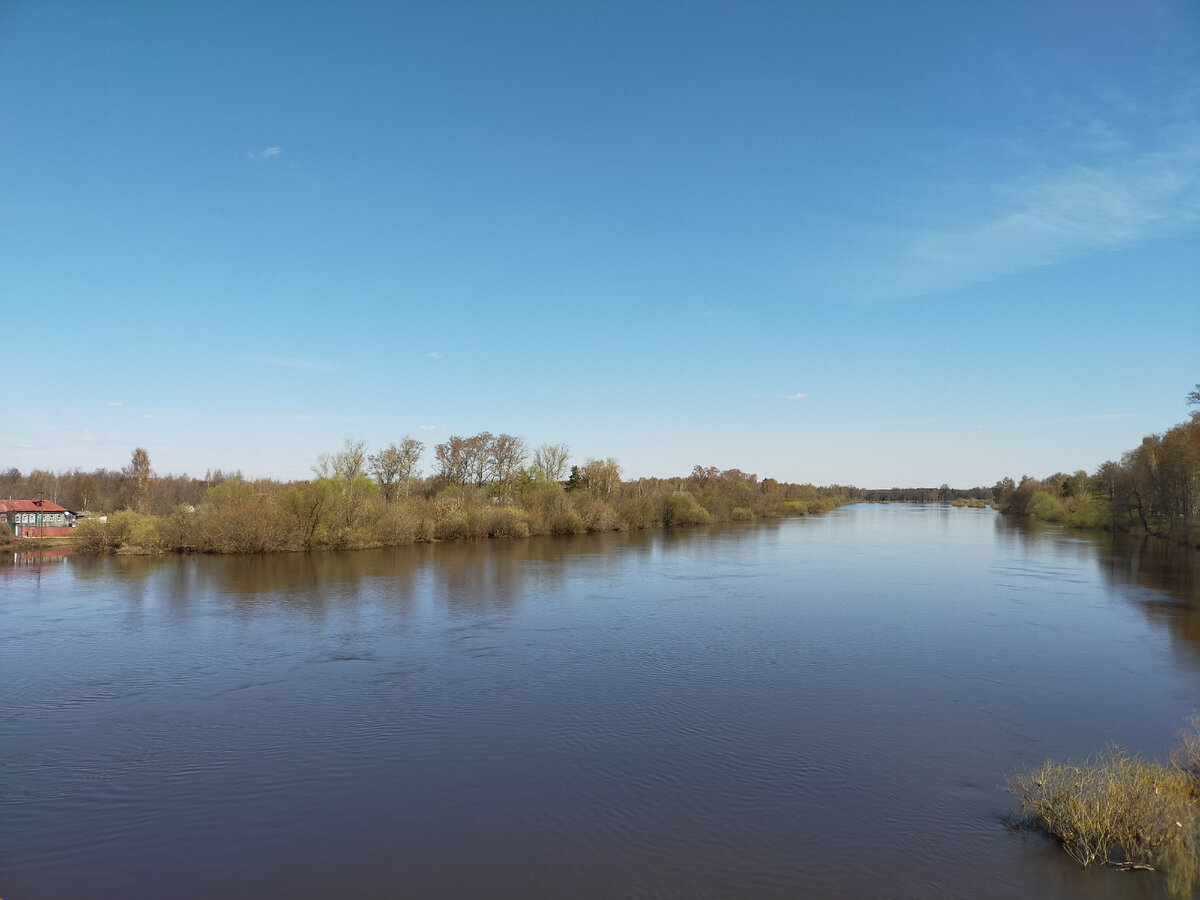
x=825, y=707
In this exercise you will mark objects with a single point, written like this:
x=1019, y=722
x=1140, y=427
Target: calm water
x=822, y=707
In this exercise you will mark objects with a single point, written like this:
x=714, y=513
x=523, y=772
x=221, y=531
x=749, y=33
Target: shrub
x=143, y=533
x=505, y=521
x=240, y=520
x=452, y=525
x=794, y=508
x=1047, y=507
x=742, y=514
x=1094, y=512
x=597, y=514
x=1185, y=756
x=395, y=525
x=95, y=536
x=1121, y=810
x=561, y=518
x=641, y=512
x=681, y=508
x=719, y=506
x=126, y=531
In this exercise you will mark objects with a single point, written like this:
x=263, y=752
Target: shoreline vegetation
x=1121, y=810
x=484, y=486
x=1153, y=490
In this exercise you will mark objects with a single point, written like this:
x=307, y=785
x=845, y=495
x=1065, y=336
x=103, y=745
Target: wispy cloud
x=146, y=415
x=1070, y=213
x=266, y=155
x=428, y=428
x=798, y=396
x=434, y=355
x=1111, y=193
x=295, y=362
x=114, y=403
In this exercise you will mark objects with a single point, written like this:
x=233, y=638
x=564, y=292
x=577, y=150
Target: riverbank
x=241, y=517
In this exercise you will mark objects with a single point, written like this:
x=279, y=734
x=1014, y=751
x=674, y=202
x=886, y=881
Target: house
x=36, y=518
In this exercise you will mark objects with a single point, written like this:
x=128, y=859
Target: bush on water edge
x=1121, y=810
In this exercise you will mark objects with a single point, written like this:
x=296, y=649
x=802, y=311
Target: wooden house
x=36, y=518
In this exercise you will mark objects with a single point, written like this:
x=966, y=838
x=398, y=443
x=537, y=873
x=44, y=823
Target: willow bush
x=1120, y=810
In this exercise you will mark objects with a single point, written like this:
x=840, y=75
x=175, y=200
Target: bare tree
x=506, y=457
x=85, y=488
x=551, y=461
x=482, y=459
x=351, y=462
x=394, y=466
x=453, y=459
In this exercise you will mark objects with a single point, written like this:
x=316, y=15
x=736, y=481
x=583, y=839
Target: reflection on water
x=1168, y=576
x=1160, y=577
x=819, y=707
x=37, y=556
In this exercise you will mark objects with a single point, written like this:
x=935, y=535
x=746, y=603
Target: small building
x=36, y=518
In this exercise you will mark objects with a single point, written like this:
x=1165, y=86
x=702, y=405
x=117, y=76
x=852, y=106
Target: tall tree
x=453, y=459
x=506, y=458
x=137, y=475
x=601, y=476
x=551, y=461
x=395, y=465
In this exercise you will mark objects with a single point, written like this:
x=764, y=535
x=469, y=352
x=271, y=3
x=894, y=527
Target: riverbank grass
x=1120, y=810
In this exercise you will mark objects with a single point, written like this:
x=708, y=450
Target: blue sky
x=875, y=243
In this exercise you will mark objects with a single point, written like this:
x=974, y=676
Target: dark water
x=823, y=707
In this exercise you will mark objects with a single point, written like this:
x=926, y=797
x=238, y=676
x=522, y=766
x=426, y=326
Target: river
x=817, y=707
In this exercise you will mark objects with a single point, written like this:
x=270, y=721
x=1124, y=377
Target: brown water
x=823, y=707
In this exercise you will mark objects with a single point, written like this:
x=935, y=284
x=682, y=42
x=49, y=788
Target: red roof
x=32, y=506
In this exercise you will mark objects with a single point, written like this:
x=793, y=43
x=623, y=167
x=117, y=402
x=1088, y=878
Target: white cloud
x=266, y=155
x=114, y=403
x=428, y=428
x=795, y=396
x=434, y=355
x=146, y=416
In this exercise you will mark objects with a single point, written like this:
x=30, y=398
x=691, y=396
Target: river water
x=818, y=707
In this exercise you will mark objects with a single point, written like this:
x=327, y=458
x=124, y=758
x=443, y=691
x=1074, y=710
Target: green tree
x=575, y=480
x=601, y=476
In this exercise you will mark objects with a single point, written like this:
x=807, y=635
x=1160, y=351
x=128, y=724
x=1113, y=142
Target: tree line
x=1153, y=489
x=484, y=485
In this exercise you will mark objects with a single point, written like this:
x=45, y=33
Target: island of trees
x=486, y=485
